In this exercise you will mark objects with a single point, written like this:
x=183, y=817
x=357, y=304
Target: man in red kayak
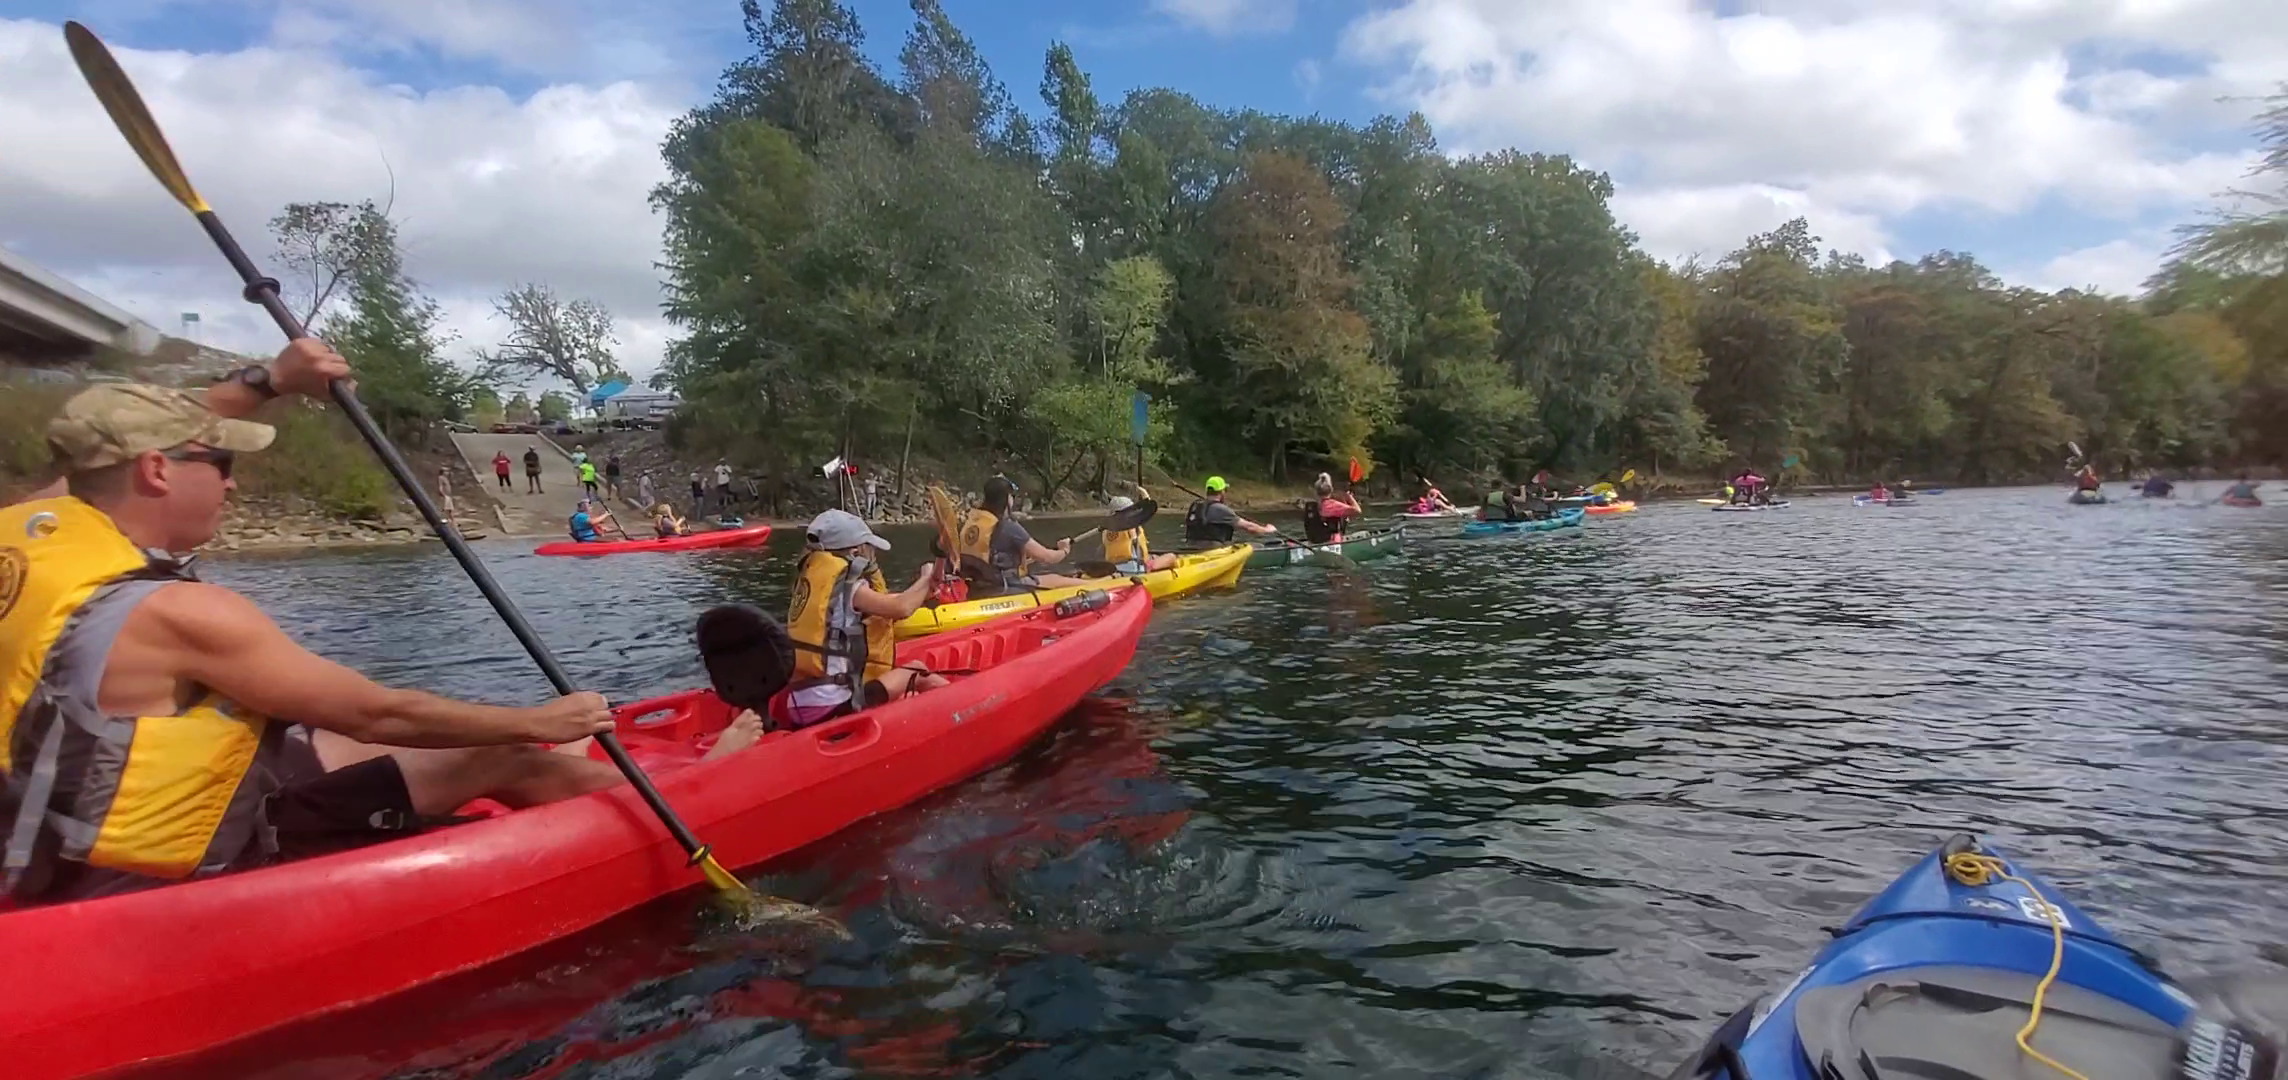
x=155, y=728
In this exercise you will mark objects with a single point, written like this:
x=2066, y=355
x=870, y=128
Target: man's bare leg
x=442, y=781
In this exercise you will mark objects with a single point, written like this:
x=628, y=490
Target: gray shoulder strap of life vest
x=62, y=710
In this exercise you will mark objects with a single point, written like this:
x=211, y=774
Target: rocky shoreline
x=273, y=527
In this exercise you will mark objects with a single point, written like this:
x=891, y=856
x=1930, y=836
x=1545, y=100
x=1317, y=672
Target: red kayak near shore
x=744, y=537
x=156, y=974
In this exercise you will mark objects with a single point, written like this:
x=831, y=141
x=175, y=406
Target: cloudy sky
x=2059, y=140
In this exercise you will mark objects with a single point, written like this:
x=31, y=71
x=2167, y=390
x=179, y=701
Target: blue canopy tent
x=599, y=395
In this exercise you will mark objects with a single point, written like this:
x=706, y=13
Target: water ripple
x=1543, y=805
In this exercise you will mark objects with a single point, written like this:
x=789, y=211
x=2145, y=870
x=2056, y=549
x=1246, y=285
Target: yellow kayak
x=1206, y=570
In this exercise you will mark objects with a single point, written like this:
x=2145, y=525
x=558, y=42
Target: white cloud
x=491, y=190
x=1854, y=112
x=1230, y=18
x=2118, y=266
x=1706, y=223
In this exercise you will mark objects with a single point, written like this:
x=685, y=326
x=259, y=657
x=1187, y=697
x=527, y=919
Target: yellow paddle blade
x=1628, y=476
x=948, y=518
x=754, y=910
x=128, y=113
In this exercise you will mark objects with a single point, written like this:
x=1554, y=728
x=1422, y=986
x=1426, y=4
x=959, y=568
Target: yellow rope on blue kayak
x=1977, y=870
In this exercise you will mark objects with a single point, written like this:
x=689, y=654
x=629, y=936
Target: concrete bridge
x=45, y=318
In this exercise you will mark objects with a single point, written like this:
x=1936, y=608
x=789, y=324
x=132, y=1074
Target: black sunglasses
x=222, y=460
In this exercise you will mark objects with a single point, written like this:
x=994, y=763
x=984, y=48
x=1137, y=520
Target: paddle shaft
x=263, y=291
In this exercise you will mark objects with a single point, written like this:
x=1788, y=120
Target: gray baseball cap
x=835, y=530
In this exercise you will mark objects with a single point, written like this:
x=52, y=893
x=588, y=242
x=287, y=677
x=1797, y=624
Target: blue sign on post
x=1137, y=419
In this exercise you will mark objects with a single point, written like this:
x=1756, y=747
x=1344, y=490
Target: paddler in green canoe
x=175, y=732
x=1213, y=521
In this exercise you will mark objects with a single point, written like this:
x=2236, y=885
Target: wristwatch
x=252, y=375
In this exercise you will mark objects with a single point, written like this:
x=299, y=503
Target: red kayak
x=169, y=971
x=745, y=537
x=1098, y=780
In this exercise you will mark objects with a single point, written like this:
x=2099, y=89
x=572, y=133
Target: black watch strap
x=255, y=376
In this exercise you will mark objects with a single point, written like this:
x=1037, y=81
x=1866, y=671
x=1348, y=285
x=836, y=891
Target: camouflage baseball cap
x=107, y=424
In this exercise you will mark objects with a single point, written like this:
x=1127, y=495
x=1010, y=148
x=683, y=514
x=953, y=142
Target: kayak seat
x=1928, y=1023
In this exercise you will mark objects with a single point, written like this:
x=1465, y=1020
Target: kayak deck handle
x=849, y=737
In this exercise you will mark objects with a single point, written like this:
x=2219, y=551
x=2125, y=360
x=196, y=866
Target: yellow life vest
x=976, y=541
x=1122, y=547
x=824, y=622
x=165, y=797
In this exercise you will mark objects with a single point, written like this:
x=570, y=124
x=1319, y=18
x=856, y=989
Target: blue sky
x=2059, y=143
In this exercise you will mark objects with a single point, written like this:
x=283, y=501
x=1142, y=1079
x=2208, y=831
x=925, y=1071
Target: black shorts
x=352, y=806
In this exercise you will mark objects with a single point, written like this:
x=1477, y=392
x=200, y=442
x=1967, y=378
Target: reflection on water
x=1509, y=807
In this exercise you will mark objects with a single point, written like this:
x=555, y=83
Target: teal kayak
x=1358, y=547
x=1565, y=519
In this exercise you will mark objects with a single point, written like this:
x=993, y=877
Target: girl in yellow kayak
x=1127, y=551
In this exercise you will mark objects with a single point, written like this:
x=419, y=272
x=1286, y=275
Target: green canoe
x=1357, y=548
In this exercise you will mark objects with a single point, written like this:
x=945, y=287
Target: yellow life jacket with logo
x=976, y=542
x=1124, y=547
x=832, y=639
x=165, y=797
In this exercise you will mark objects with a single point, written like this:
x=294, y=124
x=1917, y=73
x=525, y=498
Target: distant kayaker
x=1879, y=493
x=1127, y=551
x=532, y=470
x=665, y=523
x=588, y=520
x=843, y=623
x=177, y=732
x=1431, y=501
x=990, y=534
x=2157, y=487
x=2243, y=492
x=501, y=469
x=1750, y=488
x=2086, y=479
x=1213, y=521
x=1324, y=515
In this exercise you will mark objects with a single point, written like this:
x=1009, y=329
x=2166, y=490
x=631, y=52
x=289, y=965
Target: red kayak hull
x=170, y=971
x=745, y=537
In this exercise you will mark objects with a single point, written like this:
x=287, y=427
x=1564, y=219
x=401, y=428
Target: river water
x=1541, y=806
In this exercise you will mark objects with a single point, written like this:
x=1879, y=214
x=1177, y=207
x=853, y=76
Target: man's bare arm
x=218, y=639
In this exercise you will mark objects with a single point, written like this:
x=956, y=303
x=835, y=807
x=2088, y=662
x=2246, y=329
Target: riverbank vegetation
x=889, y=265
x=856, y=255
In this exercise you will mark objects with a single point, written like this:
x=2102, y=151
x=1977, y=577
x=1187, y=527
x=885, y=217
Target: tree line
x=860, y=260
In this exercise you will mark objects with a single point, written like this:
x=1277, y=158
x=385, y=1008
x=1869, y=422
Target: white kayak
x=1749, y=508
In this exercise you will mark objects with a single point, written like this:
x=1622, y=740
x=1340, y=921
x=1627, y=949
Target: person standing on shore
x=722, y=488
x=612, y=475
x=698, y=495
x=500, y=469
x=445, y=491
x=645, y=492
x=531, y=470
